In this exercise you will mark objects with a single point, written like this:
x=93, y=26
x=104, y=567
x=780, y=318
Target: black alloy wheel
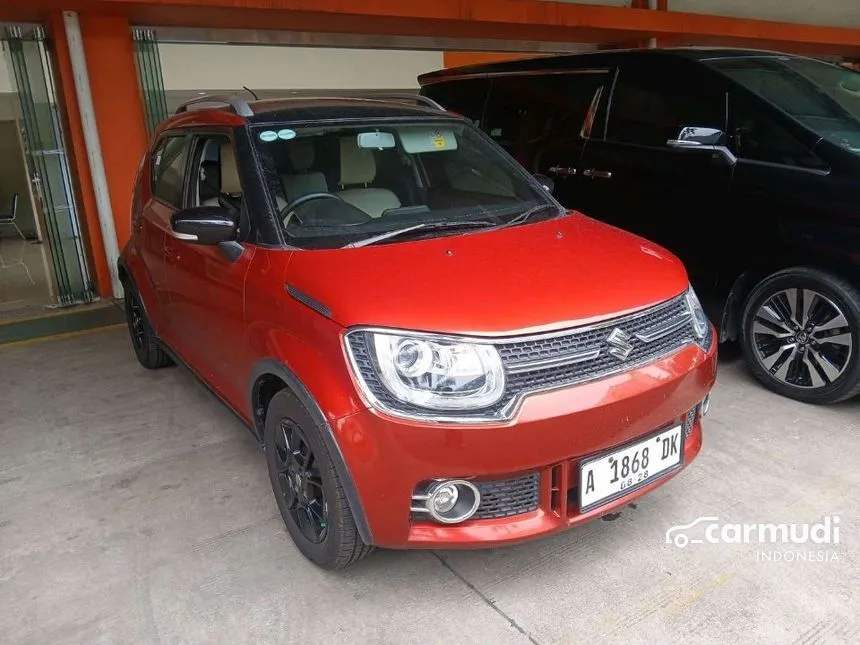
x=801, y=335
x=300, y=482
x=308, y=490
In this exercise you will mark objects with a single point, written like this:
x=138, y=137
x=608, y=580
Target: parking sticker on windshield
x=438, y=140
x=268, y=135
x=286, y=135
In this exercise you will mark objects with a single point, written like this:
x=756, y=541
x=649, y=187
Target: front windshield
x=824, y=97
x=337, y=185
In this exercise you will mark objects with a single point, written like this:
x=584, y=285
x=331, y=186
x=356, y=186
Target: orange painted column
x=74, y=134
x=118, y=106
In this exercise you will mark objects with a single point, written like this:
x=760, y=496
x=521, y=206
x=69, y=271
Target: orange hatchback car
x=431, y=351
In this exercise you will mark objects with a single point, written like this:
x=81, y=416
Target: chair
x=9, y=218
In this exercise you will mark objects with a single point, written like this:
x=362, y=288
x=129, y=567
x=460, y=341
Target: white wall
x=229, y=67
x=842, y=13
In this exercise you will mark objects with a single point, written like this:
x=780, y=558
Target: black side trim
x=276, y=368
x=308, y=301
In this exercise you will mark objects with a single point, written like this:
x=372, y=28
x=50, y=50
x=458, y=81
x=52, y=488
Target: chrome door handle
x=597, y=174
x=561, y=170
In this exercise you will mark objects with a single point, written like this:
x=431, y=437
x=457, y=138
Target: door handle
x=561, y=170
x=597, y=174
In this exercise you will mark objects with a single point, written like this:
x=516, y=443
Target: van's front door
x=635, y=179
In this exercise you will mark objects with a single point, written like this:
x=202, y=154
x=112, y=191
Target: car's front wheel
x=800, y=335
x=307, y=488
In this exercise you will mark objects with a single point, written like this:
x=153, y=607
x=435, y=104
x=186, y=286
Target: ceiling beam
x=485, y=19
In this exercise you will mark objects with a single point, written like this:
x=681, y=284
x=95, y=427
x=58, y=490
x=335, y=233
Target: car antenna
x=251, y=92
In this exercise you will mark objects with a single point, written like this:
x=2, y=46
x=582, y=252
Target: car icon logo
x=619, y=344
x=679, y=535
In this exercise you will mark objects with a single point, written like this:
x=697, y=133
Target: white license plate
x=616, y=473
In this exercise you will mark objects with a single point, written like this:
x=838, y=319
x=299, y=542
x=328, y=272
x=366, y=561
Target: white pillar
x=93, y=145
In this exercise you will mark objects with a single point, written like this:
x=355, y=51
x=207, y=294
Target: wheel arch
x=270, y=376
x=745, y=282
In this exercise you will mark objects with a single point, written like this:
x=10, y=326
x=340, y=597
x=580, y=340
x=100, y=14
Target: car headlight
x=699, y=320
x=431, y=372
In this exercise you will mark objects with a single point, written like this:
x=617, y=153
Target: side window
x=649, y=109
x=214, y=175
x=756, y=137
x=527, y=114
x=465, y=96
x=168, y=170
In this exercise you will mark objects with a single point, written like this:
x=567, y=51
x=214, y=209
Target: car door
x=634, y=176
x=162, y=196
x=206, y=283
x=540, y=119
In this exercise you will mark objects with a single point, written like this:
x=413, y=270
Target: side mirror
x=207, y=225
x=547, y=183
x=711, y=140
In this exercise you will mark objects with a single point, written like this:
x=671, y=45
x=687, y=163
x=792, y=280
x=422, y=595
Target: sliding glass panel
x=48, y=164
x=149, y=76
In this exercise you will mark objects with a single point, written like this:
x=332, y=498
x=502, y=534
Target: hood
x=532, y=278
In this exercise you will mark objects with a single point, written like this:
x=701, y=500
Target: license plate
x=613, y=474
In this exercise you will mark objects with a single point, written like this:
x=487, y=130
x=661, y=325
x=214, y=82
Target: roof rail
x=417, y=98
x=240, y=106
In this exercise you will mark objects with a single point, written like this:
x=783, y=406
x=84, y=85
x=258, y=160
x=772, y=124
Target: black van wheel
x=307, y=489
x=146, y=346
x=800, y=335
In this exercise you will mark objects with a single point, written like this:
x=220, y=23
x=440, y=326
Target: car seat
x=303, y=181
x=357, y=171
x=231, y=186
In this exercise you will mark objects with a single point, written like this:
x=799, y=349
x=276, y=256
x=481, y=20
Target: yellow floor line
x=68, y=334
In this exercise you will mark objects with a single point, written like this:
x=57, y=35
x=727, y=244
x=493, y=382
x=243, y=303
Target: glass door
x=47, y=162
x=149, y=77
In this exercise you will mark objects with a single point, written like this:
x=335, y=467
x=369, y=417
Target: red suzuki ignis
x=429, y=349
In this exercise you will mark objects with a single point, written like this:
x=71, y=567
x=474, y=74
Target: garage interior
x=135, y=507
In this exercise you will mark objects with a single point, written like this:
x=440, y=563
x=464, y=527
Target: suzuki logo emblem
x=619, y=344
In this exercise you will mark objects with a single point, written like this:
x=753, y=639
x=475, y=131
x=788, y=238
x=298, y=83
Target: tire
x=146, y=346
x=324, y=530
x=800, y=335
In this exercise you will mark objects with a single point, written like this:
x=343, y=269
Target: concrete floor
x=134, y=508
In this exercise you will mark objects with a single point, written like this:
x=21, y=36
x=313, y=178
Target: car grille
x=558, y=359
x=507, y=497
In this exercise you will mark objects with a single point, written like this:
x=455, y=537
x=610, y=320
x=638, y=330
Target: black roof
x=608, y=57
x=323, y=109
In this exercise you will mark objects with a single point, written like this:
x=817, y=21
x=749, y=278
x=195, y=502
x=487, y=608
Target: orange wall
x=458, y=59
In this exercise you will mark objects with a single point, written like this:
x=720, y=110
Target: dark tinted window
x=528, y=113
x=757, y=137
x=168, y=170
x=824, y=97
x=650, y=108
x=465, y=97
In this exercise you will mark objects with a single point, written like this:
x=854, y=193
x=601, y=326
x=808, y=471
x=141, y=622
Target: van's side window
x=649, y=109
x=527, y=113
x=168, y=170
x=757, y=137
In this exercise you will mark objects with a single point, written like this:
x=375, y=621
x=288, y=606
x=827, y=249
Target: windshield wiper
x=423, y=226
x=525, y=215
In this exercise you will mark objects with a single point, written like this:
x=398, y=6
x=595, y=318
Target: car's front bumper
x=548, y=438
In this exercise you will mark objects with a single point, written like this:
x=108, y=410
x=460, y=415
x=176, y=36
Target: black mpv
x=746, y=164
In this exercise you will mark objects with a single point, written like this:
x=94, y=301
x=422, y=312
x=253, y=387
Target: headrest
x=230, y=183
x=357, y=165
x=302, y=154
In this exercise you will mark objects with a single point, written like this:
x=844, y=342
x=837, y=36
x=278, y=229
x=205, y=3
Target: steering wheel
x=307, y=198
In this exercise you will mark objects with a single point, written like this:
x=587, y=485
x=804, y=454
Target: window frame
x=650, y=69
x=153, y=181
